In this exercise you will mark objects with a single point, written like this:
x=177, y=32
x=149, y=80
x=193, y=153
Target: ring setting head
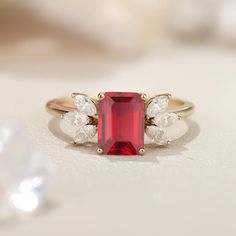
x=119, y=120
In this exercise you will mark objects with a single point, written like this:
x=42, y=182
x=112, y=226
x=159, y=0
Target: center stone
x=121, y=123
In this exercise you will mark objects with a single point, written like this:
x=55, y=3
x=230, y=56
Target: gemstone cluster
x=159, y=119
x=121, y=120
x=77, y=124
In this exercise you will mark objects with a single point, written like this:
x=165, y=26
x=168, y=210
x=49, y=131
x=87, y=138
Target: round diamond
x=166, y=119
x=157, y=105
x=85, y=105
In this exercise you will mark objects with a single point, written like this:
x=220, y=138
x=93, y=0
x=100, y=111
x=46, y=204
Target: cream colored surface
x=186, y=189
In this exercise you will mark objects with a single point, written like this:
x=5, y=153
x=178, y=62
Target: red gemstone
x=121, y=123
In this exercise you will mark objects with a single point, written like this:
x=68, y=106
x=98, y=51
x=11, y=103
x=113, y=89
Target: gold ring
x=119, y=119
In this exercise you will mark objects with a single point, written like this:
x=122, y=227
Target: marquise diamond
x=85, y=105
x=72, y=121
x=157, y=135
x=76, y=118
x=124, y=109
x=160, y=119
x=166, y=119
x=85, y=134
x=157, y=105
x=76, y=123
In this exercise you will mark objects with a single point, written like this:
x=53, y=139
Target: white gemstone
x=85, y=134
x=72, y=121
x=90, y=131
x=152, y=131
x=80, y=136
x=158, y=105
x=177, y=130
x=166, y=119
x=76, y=118
x=85, y=105
x=25, y=172
x=157, y=135
x=161, y=139
x=75, y=124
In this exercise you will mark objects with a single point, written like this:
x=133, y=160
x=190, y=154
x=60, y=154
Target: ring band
x=119, y=118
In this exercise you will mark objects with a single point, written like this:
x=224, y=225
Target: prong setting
x=73, y=95
x=141, y=151
x=144, y=96
x=166, y=94
x=101, y=96
x=72, y=142
x=157, y=118
x=99, y=151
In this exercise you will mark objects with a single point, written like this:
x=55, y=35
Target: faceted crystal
x=76, y=118
x=85, y=105
x=161, y=139
x=75, y=124
x=157, y=135
x=157, y=112
x=166, y=119
x=157, y=105
x=85, y=134
x=72, y=121
x=25, y=172
x=121, y=123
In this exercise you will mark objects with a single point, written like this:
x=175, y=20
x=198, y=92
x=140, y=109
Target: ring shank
x=59, y=106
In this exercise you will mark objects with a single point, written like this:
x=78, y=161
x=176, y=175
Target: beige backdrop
x=186, y=189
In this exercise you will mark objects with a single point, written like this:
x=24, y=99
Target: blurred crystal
x=25, y=173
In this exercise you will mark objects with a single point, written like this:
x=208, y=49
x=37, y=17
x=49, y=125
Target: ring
x=119, y=120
